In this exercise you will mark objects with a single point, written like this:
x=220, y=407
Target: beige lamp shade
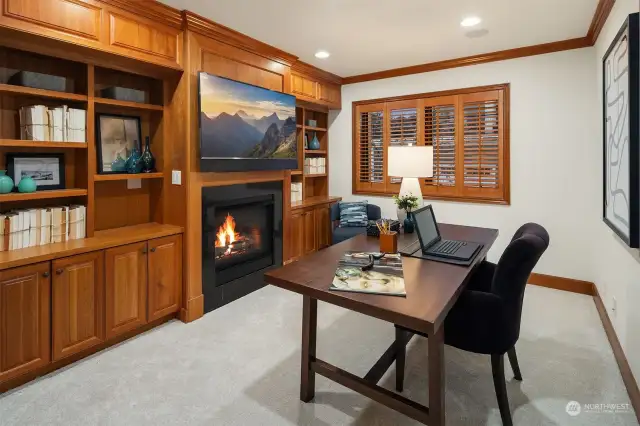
x=410, y=161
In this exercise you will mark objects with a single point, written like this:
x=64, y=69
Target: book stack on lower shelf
x=60, y=124
x=37, y=227
x=296, y=192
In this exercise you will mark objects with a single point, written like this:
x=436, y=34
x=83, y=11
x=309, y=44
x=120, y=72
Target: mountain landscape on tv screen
x=242, y=121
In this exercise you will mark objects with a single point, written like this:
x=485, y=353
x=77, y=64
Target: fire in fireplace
x=230, y=243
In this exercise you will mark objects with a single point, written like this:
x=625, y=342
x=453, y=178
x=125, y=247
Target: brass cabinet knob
x=153, y=250
x=45, y=274
x=144, y=250
x=59, y=271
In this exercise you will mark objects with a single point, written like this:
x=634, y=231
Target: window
x=467, y=128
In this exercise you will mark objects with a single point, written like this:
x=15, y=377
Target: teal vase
x=147, y=159
x=119, y=164
x=27, y=185
x=6, y=183
x=134, y=165
x=315, y=143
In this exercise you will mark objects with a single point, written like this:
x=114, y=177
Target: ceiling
x=366, y=36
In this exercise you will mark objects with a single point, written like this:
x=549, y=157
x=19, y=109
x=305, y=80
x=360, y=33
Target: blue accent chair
x=340, y=234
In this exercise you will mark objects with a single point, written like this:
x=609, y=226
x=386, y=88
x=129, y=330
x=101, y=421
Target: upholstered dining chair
x=486, y=317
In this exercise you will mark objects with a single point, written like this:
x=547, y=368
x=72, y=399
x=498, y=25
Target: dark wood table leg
x=309, y=326
x=436, y=378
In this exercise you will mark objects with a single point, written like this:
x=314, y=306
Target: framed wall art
x=621, y=131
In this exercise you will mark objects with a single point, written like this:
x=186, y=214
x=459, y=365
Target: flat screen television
x=245, y=127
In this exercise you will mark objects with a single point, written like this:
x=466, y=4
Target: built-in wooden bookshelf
x=110, y=204
x=315, y=186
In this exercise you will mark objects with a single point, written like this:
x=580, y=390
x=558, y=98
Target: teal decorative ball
x=6, y=183
x=27, y=185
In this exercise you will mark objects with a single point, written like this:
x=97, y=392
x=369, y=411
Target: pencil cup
x=389, y=242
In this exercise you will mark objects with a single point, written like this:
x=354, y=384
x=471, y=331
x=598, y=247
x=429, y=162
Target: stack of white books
x=38, y=227
x=59, y=124
x=315, y=165
x=296, y=192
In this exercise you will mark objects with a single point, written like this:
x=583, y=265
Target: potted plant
x=406, y=203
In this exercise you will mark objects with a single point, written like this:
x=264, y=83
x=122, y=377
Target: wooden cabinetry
x=311, y=89
x=323, y=227
x=126, y=288
x=77, y=303
x=165, y=276
x=310, y=240
x=24, y=319
x=151, y=34
x=310, y=231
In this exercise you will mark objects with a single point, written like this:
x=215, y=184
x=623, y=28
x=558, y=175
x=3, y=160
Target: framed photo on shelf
x=116, y=137
x=306, y=141
x=621, y=136
x=46, y=169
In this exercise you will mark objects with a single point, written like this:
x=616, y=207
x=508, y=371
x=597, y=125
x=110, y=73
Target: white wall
x=554, y=151
x=616, y=267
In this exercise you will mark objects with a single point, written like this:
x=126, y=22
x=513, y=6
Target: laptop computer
x=431, y=244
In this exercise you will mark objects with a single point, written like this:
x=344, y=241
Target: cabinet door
x=24, y=319
x=165, y=276
x=126, y=288
x=77, y=303
x=296, y=236
x=323, y=227
x=330, y=94
x=310, y=244
x=303, y=86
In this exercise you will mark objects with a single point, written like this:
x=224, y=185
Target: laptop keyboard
x=447, y=247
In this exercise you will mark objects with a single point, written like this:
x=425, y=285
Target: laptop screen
x=426, y=226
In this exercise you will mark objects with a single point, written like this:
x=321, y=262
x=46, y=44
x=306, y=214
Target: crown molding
x=315, y=72
x=599, y=19
x=201, y=25
x=502, y=55
x=151, y=9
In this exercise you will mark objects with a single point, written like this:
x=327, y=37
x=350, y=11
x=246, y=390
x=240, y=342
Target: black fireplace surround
x=241, y=239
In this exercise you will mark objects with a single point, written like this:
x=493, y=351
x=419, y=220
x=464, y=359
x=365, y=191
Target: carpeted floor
x=240, y=366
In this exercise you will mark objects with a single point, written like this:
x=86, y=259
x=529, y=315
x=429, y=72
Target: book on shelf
x=59, y=124
x=37, y=227
x=296, y=192
x=315, y=165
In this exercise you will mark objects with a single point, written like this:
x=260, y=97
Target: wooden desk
x=432, y=289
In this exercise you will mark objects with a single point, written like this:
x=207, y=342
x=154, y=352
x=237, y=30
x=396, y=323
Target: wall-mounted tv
x=245, y=127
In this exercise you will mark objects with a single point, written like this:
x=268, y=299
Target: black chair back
x=513, y=270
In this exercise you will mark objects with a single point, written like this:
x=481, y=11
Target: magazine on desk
x=385, y=277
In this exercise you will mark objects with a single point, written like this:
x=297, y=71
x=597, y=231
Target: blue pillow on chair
x=353, y=214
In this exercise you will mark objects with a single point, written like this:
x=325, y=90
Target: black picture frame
x=99, y=142
x=628, y=229
x=16, y=156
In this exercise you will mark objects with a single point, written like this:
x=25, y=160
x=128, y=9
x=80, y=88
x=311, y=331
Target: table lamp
x=410, y=163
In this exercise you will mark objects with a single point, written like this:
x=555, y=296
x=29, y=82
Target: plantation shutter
x=467, y=128
x=403, y=129
x=370, y=148
x=482, y=146
x=440, y=116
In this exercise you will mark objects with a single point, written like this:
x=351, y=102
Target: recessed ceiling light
x=322, y=54
x=470, y=21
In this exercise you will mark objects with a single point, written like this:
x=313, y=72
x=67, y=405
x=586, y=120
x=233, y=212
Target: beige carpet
x=240, y=366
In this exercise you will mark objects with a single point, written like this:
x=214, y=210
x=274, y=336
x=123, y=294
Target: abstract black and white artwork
x=621, y=133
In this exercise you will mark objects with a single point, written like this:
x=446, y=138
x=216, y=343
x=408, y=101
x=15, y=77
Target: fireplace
x=241, y=239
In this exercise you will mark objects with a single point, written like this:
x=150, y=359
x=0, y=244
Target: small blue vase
x=119, y=164
x=408, y=224
x=27, y=185
x=315, y=143
x=6, y=183
x=134, y=165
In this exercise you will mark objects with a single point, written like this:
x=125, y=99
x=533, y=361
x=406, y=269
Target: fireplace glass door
x=239, y=236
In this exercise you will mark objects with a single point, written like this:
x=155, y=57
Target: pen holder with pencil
x=389, y=242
